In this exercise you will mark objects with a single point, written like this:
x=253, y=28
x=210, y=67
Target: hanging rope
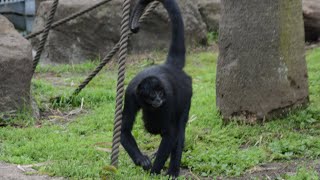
x=114, y=50
x=120, y=84
x=64, y=20
x=45, y=35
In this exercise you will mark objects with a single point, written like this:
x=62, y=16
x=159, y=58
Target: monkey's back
x=178, y=85
x=176, y=77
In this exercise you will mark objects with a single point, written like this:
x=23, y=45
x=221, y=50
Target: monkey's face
x=151, y=91
x=155, y=99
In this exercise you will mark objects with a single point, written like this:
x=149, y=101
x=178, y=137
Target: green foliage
x=62, y=68
x=22, y=118
x=304, y=174
x=212, y=36
x=80, y=148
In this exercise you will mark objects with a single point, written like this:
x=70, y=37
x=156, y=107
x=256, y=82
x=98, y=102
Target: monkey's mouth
x=156, y=104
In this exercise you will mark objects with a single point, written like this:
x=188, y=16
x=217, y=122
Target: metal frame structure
x=20, y=12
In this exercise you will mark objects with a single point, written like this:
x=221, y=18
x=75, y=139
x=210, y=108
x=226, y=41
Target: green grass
x=212, y=37
x=74, y=68
x=212, y=149
x=304, y=173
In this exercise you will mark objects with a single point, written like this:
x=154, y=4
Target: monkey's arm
x=127, y=140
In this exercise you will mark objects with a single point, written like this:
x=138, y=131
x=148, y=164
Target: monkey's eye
x=153, y=94
x=160, y=93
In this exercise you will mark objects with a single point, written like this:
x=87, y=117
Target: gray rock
x=210, y=12
x=83, y=38
x=19, y=172
x=261, y=71
x=95, y=33
x=15, y=69
x=311, y=14
x=38, y=2
x=155, y=32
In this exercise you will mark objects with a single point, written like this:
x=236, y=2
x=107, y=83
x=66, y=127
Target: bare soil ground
x=266, y=171
x=274, y=170
x=17, y=172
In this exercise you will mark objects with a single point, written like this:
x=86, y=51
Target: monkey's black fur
x=163, y=92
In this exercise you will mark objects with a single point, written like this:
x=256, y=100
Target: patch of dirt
x=17, y=172
x=276, y=169
x=55, y=79
x=56, y=116
x=265, y=171
x=312, y=45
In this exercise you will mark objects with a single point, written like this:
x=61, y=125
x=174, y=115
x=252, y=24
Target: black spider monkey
x=163, y=92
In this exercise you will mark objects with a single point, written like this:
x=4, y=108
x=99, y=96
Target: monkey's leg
x=167, y=143
x=176, y=153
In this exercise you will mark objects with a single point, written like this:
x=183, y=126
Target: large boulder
x=15, y=69
x=261, y=71
x=83, y=38
x=38, y=2
x=156, y=31
x=311, y=14
x=93, y=34
x=210, y=12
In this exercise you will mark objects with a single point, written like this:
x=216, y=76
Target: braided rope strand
x=120, y=84
x=45, y=35
x=108, y=57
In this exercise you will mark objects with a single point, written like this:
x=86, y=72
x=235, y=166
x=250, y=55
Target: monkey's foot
x=173, y=172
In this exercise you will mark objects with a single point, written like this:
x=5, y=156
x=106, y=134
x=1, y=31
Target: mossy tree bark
x=261, y=71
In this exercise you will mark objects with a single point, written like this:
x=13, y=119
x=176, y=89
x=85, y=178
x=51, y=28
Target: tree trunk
x=261, y=71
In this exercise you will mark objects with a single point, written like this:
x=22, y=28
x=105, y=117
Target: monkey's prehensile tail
x=177, y=51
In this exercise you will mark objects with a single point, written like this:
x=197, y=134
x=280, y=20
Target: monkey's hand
x=143, y=161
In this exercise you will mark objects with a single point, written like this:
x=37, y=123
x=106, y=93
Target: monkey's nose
x=156, y=103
